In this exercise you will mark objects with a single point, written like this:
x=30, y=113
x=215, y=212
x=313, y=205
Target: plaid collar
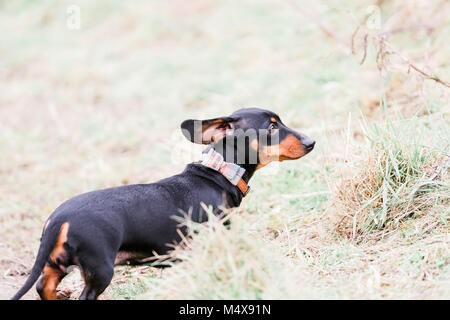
x=214, y=160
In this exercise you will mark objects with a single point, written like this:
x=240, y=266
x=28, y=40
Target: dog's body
x=137, y=219
x=103, y=228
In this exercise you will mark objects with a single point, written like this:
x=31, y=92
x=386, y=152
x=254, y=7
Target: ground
x=362, y=216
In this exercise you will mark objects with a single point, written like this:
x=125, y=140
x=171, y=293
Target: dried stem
x=379, y=38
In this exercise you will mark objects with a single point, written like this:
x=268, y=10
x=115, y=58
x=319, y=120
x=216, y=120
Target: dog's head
x=249, y=136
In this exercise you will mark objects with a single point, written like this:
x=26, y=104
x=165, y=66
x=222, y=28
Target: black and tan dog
x=103, y=228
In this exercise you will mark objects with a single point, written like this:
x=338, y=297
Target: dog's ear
x=207, y=131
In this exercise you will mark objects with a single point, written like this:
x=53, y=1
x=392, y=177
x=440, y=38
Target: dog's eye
x=272, y=127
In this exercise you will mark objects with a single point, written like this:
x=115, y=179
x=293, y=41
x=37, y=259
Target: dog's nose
x=308, y=144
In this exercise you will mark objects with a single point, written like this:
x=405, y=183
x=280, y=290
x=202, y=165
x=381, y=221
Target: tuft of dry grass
x=228, y=262
x=399, y=178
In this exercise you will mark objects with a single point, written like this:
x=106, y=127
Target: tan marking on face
x=289, y=149
x=273, y=119
x=254, y=144
x=52, y=277
x=59, y=250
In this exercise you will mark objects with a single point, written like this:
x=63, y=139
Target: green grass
x=405, y=173
x=363, y=216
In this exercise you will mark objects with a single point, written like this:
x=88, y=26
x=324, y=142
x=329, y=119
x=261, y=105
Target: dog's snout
x=308, y=144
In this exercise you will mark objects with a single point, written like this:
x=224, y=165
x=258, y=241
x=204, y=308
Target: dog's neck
x=237, y=151
x=236, y=174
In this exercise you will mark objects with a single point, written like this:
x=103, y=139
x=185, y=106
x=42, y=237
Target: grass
x=238, y=263
x=375, y=241
x=364, y=216
x=401, y=177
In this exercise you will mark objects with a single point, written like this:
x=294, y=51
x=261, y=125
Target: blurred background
x=92, y=95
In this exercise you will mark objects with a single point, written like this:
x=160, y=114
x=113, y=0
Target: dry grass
x=363, y=216
x=240, y=264
x=399, y=178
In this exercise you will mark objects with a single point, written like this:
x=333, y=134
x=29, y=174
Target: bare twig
x=353, y=39
x=382, y=53
x=413, y=66
x=379, y=38
x=319, y=24
x=365, y=49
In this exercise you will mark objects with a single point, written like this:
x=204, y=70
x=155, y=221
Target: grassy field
x=364, y=216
